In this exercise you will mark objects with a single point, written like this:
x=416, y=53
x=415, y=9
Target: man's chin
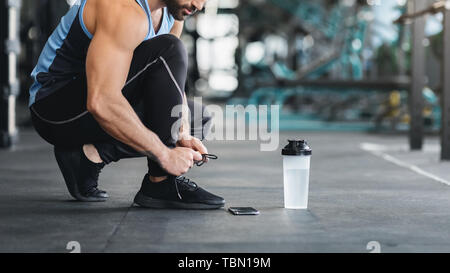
x=179, y=17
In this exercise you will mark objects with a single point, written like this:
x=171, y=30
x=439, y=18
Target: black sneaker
x=176, y=193
x=80, y=174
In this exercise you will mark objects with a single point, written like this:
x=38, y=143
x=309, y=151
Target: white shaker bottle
x=296, y=163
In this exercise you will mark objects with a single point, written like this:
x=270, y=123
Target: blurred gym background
x=340, y=65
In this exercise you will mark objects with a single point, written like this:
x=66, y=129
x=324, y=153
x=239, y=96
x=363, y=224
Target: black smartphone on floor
x=243, y=211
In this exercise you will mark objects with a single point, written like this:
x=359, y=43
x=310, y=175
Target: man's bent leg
x=161, y=91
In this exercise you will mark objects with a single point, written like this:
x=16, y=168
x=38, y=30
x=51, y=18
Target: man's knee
x=175, y=48
x=168, y=46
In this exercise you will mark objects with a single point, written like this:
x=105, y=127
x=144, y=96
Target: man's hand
x=193, y=143
x=178, y=161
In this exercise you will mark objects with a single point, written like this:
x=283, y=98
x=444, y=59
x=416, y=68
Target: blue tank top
x=63, y=58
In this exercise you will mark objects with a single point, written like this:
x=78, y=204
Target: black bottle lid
x=297, y=147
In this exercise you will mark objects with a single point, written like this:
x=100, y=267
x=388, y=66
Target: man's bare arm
x=177, y=28
x=107, y=65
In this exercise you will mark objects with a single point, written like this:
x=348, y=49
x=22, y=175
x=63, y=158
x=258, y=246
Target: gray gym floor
x=363, y=188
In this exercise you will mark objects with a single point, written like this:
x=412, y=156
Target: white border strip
x=375, y=150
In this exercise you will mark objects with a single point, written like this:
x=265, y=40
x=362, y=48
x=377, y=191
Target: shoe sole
x=64, y=163
x=148, y=202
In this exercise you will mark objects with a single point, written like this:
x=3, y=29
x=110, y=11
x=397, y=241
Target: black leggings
x=154, y=86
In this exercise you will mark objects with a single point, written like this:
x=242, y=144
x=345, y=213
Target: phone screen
x=244, y=211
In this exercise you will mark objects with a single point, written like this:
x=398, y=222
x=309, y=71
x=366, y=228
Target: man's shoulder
x=119, y=15
x=127, y=12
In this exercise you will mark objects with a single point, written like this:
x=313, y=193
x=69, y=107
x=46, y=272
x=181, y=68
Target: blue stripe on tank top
x=166, y=24
x=83, y=26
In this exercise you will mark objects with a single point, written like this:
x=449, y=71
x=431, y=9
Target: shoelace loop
x=204, y=158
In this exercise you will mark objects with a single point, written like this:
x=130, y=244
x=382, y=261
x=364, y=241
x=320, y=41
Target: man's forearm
x=117, y=118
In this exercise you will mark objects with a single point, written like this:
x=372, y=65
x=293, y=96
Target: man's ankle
x=157, y=179
x=91, y=153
